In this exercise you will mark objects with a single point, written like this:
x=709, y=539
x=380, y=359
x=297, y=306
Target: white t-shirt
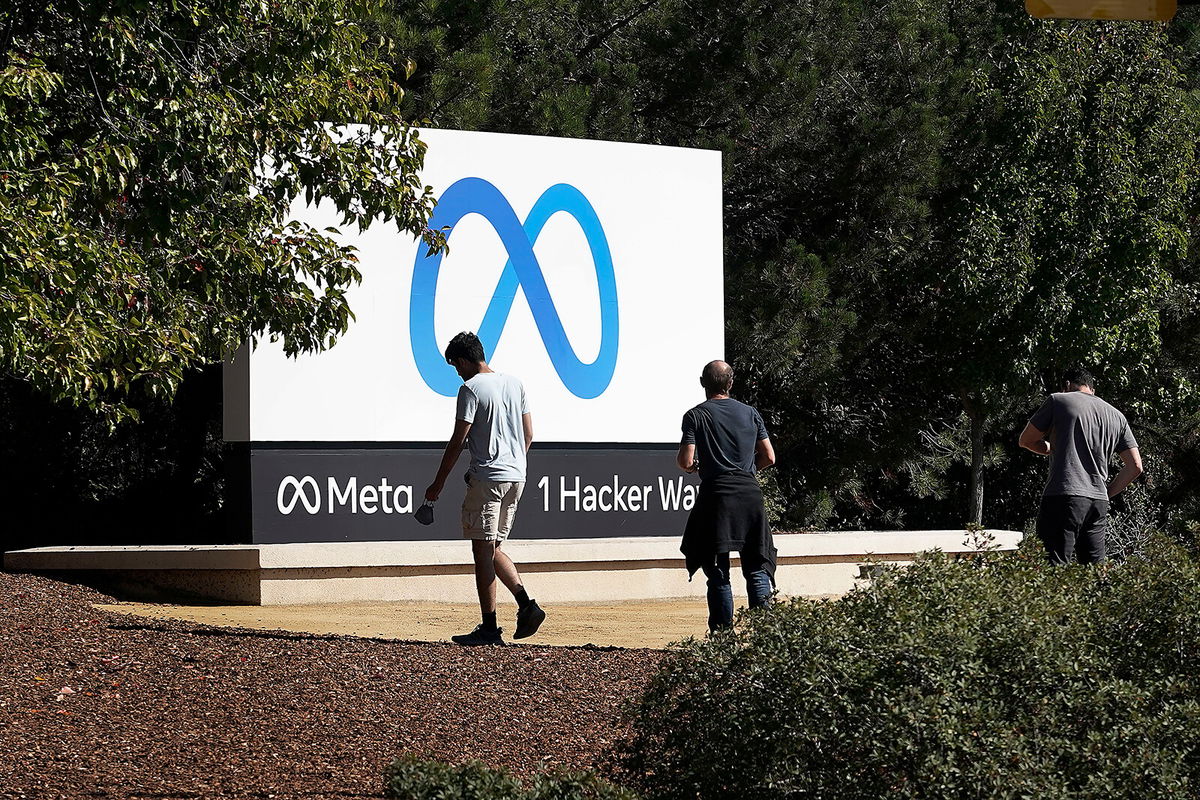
x=494, y=403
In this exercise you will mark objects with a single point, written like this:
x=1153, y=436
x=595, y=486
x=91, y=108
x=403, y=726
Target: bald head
x=717, y=377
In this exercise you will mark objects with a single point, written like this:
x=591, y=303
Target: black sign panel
x=347, y=495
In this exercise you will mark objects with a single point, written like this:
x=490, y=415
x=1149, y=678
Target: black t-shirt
x=725, y=433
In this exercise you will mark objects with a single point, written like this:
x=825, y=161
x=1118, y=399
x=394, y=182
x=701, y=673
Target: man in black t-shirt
x=727, y=442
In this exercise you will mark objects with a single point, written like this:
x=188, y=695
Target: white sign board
x=591, y=270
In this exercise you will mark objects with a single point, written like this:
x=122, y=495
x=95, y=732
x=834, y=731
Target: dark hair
x=465, y=345
x=716, y=377
x=1079, y=377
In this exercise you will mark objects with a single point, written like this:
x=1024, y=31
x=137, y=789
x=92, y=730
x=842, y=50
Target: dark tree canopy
x=930, y=207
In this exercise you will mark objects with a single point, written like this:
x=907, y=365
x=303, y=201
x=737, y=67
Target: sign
x=316, y=495
x=1156, y=10
x=590, y=270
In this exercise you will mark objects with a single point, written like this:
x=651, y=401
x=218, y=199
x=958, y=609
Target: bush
x=411, y=778
x=1131, y=530
x=993, y=677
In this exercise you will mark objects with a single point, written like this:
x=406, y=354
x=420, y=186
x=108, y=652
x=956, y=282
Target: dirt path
x=651, y=623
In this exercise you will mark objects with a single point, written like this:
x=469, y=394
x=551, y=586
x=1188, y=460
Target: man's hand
x=1131, y=467
x=527, y=429
x=454, y=448
x=685, y=459
x=1034, y=440
x=764, y=454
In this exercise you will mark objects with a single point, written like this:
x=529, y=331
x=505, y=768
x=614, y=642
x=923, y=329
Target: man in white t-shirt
x=493, y=421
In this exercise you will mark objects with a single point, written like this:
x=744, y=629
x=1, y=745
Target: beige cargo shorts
x=489, y=508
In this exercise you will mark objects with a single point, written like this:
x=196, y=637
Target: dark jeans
x=720, y=592
x=1069, y=525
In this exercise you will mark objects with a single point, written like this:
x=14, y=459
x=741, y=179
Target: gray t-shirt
x=494, y=403
x=1084, y=432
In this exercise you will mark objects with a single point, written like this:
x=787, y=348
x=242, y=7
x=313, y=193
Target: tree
x=1066, y=241
x=149, y=156
x=903, y=182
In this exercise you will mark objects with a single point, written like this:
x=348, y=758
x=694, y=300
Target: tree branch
x=598, y=39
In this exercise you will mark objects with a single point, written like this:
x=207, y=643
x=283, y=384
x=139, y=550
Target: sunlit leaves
x=149, y=155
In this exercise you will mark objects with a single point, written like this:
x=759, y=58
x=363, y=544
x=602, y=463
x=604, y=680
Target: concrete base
x=810, y=564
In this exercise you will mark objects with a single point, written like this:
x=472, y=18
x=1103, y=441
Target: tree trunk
x=975, y=490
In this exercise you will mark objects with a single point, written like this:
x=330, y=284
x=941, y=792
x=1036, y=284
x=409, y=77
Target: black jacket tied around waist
x=728, y=516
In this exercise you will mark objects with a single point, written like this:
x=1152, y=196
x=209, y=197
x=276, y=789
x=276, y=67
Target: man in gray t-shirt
x=1080, y=432
x=494, y=405
x=493, y=421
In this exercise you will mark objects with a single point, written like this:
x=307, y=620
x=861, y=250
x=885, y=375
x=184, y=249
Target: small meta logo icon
x=304, y=491
x=522, y=270
x=349, y=495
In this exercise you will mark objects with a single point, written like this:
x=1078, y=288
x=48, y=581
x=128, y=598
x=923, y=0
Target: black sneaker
x=480, y=635
x=529, y=619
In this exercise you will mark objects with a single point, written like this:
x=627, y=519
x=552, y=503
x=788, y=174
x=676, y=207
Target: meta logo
x=522, y=270
x=367, y=498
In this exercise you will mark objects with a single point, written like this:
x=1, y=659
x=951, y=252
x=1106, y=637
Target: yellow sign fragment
x=1158, y=10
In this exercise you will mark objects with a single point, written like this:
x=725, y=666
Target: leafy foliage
x=1067, y=246
x=991, y=677
x=413, y=778
x=72, y=477
x=1131, y=531
x=149, y=155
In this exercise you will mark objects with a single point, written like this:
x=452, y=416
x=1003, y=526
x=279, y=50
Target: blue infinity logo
x=477, y=196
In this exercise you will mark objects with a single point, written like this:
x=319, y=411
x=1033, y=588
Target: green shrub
x=993, y=677
x=1131, y=530
x=410, y=778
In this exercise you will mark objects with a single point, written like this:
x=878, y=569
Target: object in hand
x=424, y=514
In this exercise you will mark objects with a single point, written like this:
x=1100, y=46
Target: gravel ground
x=94, y=704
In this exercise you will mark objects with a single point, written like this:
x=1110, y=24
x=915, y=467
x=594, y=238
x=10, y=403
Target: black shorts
x=1072, y=526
